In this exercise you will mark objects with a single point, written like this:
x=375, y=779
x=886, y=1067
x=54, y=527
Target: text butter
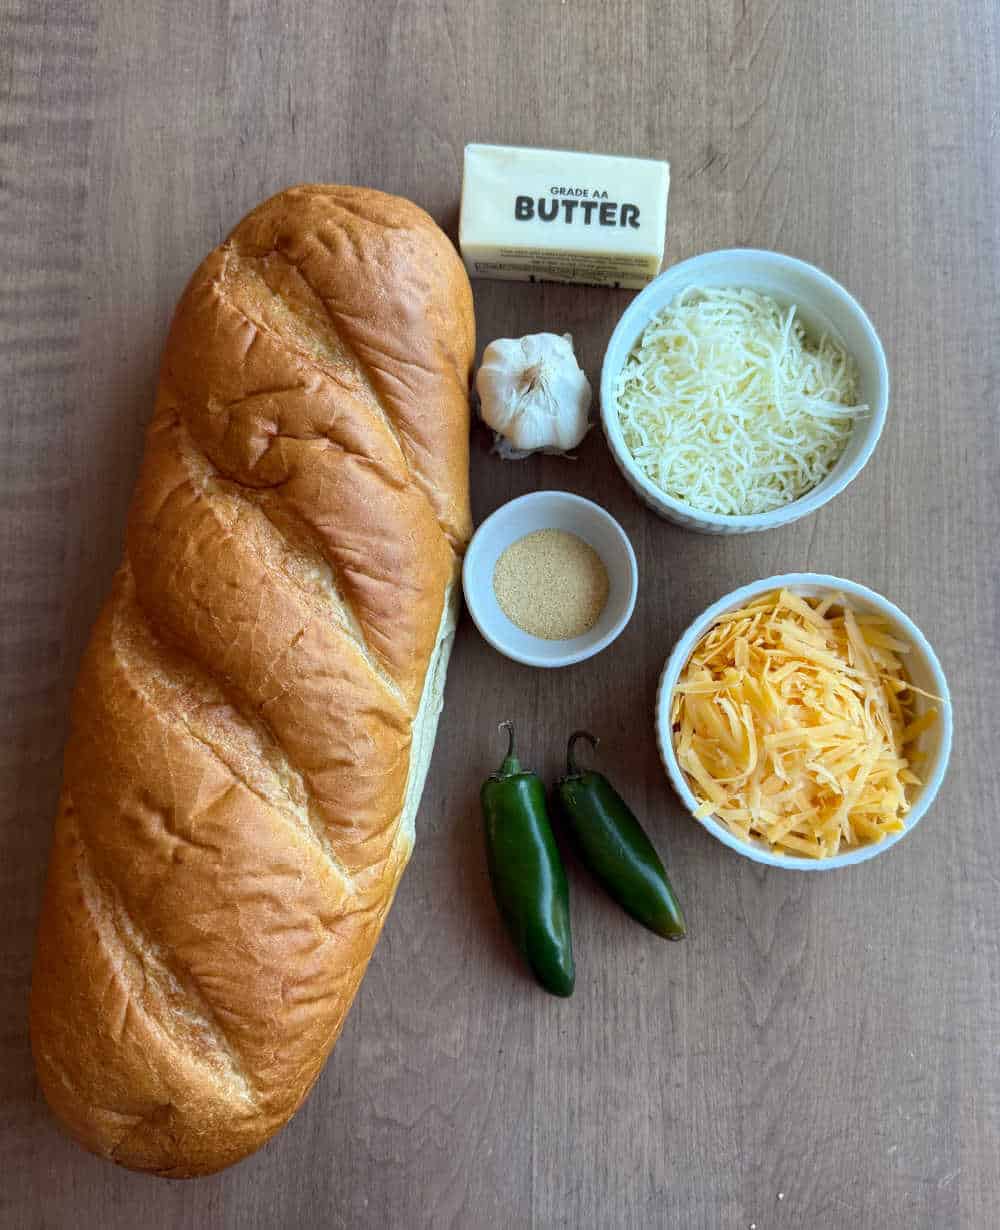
x=554, y=216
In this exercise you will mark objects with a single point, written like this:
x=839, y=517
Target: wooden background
x=833, y=1038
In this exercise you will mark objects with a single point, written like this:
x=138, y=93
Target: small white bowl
x=823, y=306
x=539, y=511
x=924, y=671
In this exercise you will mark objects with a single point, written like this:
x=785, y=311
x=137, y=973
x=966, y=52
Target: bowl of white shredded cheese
x=742, y=390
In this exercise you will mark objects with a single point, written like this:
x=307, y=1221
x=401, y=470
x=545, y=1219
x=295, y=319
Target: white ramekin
x=924, y=671
x=539, y=511
x=824, y=307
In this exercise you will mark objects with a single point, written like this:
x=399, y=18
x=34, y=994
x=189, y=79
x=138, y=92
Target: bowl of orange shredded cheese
x=805, y=721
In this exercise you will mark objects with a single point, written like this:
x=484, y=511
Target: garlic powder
x=551, y=584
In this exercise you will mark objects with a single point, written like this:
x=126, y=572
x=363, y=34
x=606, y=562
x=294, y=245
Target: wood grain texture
x=835, y=1038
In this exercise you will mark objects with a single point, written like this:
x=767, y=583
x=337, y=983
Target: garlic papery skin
x=534, y=395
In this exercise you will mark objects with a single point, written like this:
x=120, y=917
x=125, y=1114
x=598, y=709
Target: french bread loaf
x=255, y=712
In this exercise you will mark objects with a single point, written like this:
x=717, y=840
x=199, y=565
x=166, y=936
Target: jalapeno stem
x=511, y=765
x=572, y=769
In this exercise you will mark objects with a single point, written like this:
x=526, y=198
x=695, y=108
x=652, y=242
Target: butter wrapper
x=539, y=215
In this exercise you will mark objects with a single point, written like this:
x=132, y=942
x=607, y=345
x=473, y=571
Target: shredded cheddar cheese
x=728, y=406
x=795, y=723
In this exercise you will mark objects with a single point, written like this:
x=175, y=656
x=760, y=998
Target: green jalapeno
x=527, y=874
x=614, y=846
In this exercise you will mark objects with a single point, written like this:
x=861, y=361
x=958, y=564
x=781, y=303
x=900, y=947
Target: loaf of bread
x=255, y=712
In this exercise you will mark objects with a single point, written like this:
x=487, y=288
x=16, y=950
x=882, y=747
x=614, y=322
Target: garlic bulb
x=533, y=394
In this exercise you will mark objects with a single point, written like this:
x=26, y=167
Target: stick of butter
x=540, y=215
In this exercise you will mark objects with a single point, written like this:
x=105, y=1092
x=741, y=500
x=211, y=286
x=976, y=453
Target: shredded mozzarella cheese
x=729, y=407
x=794, y=723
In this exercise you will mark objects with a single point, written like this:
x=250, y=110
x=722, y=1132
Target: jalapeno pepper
x=527, y=874
x=614, y=846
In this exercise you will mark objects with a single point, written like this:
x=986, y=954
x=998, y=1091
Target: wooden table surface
x=823, y=1050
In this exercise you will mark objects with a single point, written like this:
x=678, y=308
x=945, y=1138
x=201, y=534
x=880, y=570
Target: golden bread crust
x=237, y=795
